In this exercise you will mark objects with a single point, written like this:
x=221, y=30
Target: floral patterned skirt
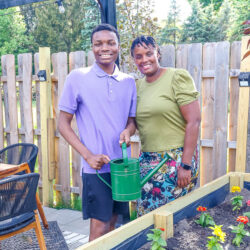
x=162, y=187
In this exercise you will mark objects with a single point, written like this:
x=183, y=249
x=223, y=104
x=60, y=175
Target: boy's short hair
x=105, y=26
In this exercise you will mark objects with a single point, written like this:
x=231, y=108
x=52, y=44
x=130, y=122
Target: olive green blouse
x=160, y=123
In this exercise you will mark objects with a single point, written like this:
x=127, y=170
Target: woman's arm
x=191, y=114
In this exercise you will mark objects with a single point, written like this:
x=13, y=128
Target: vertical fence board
x=76, y=60
x=91, y=58
x=45, y=108
x=167, y=56
x=11, y=98
x=38, y=121
x=234, y=100
x=243, y=111
x=181, y=56
x=1, y=119
x=5, y=100
x=25, y=95
x=60, y=66
x=221, y=109
x=207, y=124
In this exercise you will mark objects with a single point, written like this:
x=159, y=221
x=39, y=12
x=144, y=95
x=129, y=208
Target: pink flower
x=172, y=163
x=156, y=191
x=248, y=203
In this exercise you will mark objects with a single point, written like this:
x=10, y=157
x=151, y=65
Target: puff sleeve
x=184, y=88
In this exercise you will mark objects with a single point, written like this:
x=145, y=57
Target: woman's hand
x=183, y=177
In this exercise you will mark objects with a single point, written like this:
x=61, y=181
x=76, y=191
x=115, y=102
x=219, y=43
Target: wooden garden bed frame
x=164, y=216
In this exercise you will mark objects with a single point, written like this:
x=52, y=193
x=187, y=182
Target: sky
x=162, y=7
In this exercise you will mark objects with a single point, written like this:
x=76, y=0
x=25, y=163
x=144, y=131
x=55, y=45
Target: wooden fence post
x=46, y=113
x=243, y=111
x=10, y=99
x=25, y=96
x=234, y=100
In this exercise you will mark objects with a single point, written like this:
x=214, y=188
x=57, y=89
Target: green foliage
x=12, y=33
x=237, y=202
x=193, y=28
x=171, y=31
x=240, y=13
x=205, y=220
x=216, y=3
x=60, y=32
x=213, y=243
x=134, y=19
x=157, y=242
x=240, y=234
x=90, y=20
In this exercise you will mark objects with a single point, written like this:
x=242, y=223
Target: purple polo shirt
x=102, y=104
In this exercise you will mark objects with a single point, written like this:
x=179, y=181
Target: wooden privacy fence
x=29, y=113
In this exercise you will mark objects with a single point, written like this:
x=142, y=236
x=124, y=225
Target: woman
x=168, y=120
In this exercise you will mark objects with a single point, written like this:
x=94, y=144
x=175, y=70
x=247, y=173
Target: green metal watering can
x=126, y=183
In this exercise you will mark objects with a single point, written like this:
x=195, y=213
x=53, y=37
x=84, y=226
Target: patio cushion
x=16, y=223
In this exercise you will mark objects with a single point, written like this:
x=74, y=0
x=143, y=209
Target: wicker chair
x=18, y=211
x=19, y=153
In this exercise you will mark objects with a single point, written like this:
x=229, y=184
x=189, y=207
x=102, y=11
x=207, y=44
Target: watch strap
x=185, y=166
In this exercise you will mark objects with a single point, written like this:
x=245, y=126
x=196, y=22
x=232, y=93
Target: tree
x=134, y=18
x=215, y=3
x=60, y=32
x=171, y=31
x=193, y=28
x=13, y=39
x=240, y=13
x=223, y=21
x=90, y=20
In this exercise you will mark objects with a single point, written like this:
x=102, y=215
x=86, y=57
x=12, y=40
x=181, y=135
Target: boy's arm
x=65, y=129
x=128, y=131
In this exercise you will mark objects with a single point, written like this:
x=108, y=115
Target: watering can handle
x=103, y=180
x=124, y=152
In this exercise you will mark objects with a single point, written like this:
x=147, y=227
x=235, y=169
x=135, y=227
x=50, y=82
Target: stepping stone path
x=75, y=240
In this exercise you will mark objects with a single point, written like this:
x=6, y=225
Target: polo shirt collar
x=100, y=73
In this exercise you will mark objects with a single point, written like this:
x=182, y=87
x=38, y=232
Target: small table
x=9, y=169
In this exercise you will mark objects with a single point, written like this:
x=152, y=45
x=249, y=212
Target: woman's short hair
x=105, y=26
x=144, y=40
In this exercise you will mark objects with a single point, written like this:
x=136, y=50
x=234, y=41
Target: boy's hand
x=97, y=161
x=125, y=137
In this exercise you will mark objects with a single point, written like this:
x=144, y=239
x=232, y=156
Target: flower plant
x=239, y=230
x=236, y=200
x=205, y=219
x=157, y=242
x=218, y=236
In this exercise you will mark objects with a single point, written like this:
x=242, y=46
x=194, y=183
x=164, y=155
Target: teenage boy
x=104, y=102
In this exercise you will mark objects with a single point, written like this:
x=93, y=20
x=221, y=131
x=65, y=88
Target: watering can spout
x=150, y=174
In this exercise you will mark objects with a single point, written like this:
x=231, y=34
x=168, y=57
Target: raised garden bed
x=133, y=235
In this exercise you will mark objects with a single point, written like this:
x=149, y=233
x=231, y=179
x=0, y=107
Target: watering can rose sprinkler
x=126, y=183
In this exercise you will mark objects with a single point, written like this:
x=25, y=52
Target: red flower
x=201, y=209
x=162, y=229
x=156, y=191
x=248, y=202
x=243, y=219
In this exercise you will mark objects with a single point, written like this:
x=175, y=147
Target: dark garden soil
x=189, y=235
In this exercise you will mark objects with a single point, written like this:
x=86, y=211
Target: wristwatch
x=185, y=166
